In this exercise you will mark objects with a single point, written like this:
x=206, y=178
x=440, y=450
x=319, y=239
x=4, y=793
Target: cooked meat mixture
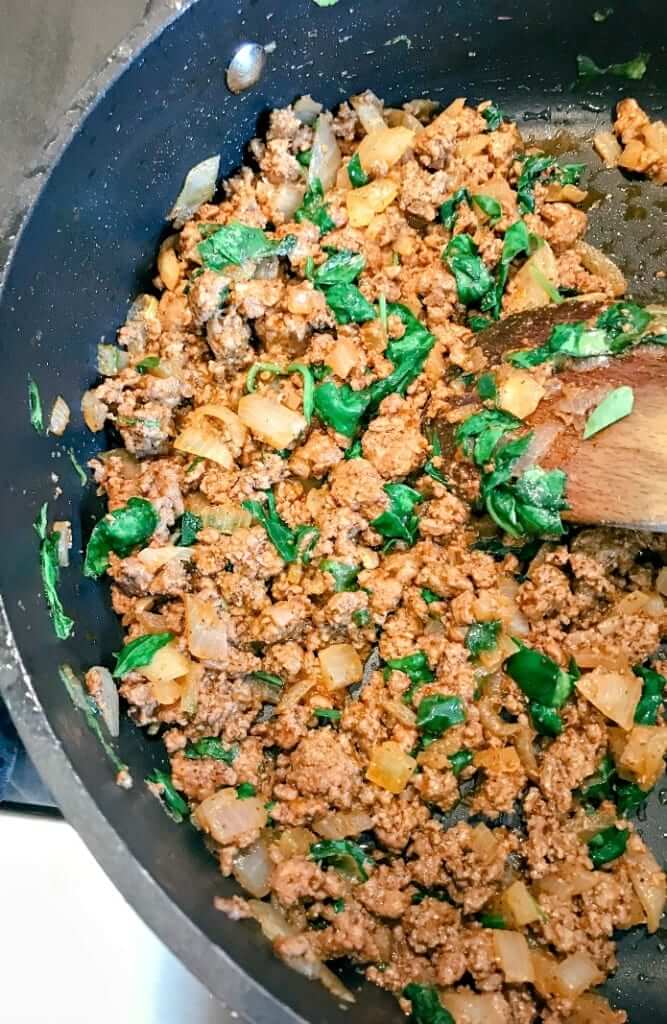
x=350, y=614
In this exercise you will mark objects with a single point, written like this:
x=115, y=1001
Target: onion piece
x=341, y=824
x=105, y=693
x=365, y=202
x=296, y=842
x=384, y=147
x=615, y=694
x=390, y=767
x=156, y=558
x=229, y=819
x=648, y=881
x=519, y=393
x=295, y=694
x=639, y=754
x=285, y=201
x=190, y=686
x=63, y=528
x=168, y=265
x=484, y=843
x=401, y=712
x=535, y=283
x=437, y=754
x=167, y=664
x=498, y=760
x=340, y=666
x=59, y=418
x=223, y=518
x=514, y=956
x=205, y=443
x=403, y=118
x=207, y=633
x=607, y=147
x=252, y=869
x=325, y=157
x=521, y=904
x=474, y=1008
x=597, y=263
x=306, y=109
x=235, y=432
x=94, y=411
x=590, y=1008
x=369, y=110
x=568, y=883
x=271, y=421
x=577, y=973
x=198, y=188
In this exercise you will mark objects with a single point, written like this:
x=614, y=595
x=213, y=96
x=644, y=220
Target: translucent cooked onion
x=474, y=1008
x=369, y=110
x=514, y=956
x=94, y=411
x=198, y=188
x=286, y=200
x=190, y=689
x=340, y=666
x=498, y=760
x=271, y=421
x=484, y=843
x=223, y=518
x=384, y=147
x=615, y=694
x=125, y=463
x=590, y=1008
x=401, y=712
x=545, y=971
x=252, y=869
x=296, y=842
x=596, y=822
x=306, y=109
x=523, y=741
x=156, y=558
x=325, y=156
x=295, y=694
x=229, y=819
x=404, y=118
x=233, y=429
x=521, y=904
x=648, y=881
x=111, y=360
x=63, y=530
x=166, y=665
x=59, y=418
x=519, y=393
x=201, y=440
x=568, y=883
x=167, y=692
x=206, y=632
x=341, y=824
x=607, y=147
x=577, y=973
x=168, y=264
x=390, y=767
x=639, y=754
x=597, y=263
x=437, y=754
x=106, y=698
x=365, y=202
x=534, y=285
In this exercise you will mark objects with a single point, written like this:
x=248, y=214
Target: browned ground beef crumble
x=421, y=914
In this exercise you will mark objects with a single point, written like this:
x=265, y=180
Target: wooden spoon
x=619, y=476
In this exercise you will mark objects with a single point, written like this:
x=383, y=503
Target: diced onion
x=343, y=357
x=59, y=419
x=590, y=1008
x=369, y=110
x=615, y=694
x=340, y=824
x=497, y=760
x=365, y=202
x=168, y=264
x=190, y=689
x=541, y=439
x=545, y=970
x=270, y=421
x=475, y=1008
x=106, y=697
x=325, y=157
x=223, y=518
x=204, y=442
x=252, y=869
x=295, y=694
x=528, y=288
x=648, y=882
x=198, y=188
x=229, y=819
x=401, y=712
x=514, y=956
x=94, y=411
x=597, y=263
x=306, y=109
x=111, y=360
x=167, y=664
x=156, y=558
x=234, y=430
x=63, y=528
x=568, y=883
x=404, y=118
x=296, y=842
x=484, y=843
x=577, y=973
x=384, y=147
x=341, y=666
x=555, y=193
x=206, y=631
x=608, y=148
x=286, y=200
x=167, y=691
x=520, y=903
x=390, y=767
x=518, y=392
x=640, y=754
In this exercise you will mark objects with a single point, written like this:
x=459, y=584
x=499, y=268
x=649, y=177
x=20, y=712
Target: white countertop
x=73, y=951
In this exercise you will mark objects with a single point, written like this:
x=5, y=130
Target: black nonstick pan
x=88, y=247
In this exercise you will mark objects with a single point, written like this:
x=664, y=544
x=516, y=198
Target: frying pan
x=87, y=247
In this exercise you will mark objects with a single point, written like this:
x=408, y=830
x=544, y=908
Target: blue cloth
x=19, y=781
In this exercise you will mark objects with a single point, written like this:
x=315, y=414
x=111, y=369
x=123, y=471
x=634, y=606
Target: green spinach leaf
x=438, y=712
x=50, y=572
x=288, y=542
x=460, y=760
x=540, y=678
x=633, y=69
x=607, y=845
x=327, y=714
x=314, y=209
x=449, y=209
x=245, y=790
x=35, y=406
x=473, y=278
x=342, y=267
x=172, y=801
x=210, y=746
x=356, y=173
x=651, y=700
x=121, y=532
x=344, y=855
x=426, y=1005
x=615, y=406
x=490, y=206
x=482, y=636
x=344, y=576
x=349, y=305
x=399, y=521
x=235, y=243
x=191, y=524
x=494, y=117
x=139, y=652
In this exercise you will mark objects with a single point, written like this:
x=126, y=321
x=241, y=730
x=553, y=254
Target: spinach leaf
x=340, y=407
x=361, y=617
x=486, y=386
x=494, y=117
x=490, y=206
x=235, y=243
x=494, y=547
x=304, y=157
x=210, y=746
x=460, y=760
x=491, y=920
x=532, y=169
x=274, y=368
x=518, y=241
x=437, y=713
x=546, y=720
x=35, y=406
x=430, y=596
x=256, y=369
x=600, y=786
x=172, y=801
x=267, y=677
x=327, y=714
x=479, y=435
x=342, y=267
x=650, y=702
x=344, y=855
x=448, y=210
x=344, y=576
x=607, y=845
x=473, y=278
x=620, y=326
x=570, y=174
x=191, y=524
x=540, y=678
x=149, y=363
x=288, y=542
x=479, y=323
x=416, y=668
x=245, y=790
x=633, y=69
x=530, y=505
x=314, y=209
x=603, y=14
x=355, y=451
x=139, y=652
x=356, y=173
x=426, y=1005
x=349, y=305
x=50, y=571
x=77, y=467
x=629, y=797
x=399, y=521
x=623, y=323
x=614, y=407
x=482, y=636
x=121, y=532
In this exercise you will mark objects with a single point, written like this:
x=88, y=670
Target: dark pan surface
x=89, y=247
